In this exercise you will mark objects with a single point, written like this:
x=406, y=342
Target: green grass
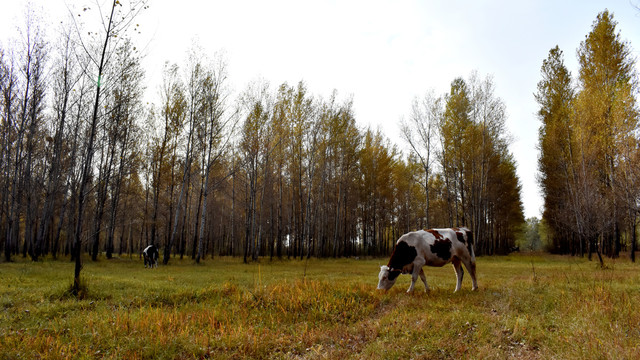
x=528, y=307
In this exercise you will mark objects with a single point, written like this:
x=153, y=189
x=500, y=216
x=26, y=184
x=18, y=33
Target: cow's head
x=387, y=277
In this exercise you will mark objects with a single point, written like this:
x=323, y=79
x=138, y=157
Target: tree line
x=589, y=155
x=88, y=167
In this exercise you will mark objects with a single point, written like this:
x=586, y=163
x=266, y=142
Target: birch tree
x=115, y=24
x=66, y=77
x=217, y=130
x=9, y=84
x=195, y=77
x=419, y=132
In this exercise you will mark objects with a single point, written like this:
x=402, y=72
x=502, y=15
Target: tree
x=532, y=235
x=453, y=128
x=377, y=161
x=196, y=75
x=480, y=182
x=126, y=104
x=410, y=195
x=217, y=133
x=66, y=77
x=606, y=110
x=255, y=150
x=489, y=162
x=116, y=24
x=346, y=139
x=555, y=96
x=281, y=130
x=589, y=144
x=419, y=133
x=23, y=99
x=302, y=132
x=9, y=87
x=173, y=113
x=81, y=105
x=32, y=112
x=337, y=144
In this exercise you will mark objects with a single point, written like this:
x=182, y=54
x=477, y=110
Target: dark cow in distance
x=436, y=247
x=151, y=256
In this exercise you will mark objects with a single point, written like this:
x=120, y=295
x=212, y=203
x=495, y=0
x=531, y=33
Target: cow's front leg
x=417, y=268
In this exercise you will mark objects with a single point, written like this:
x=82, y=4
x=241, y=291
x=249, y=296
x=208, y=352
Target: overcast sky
x=382, y=53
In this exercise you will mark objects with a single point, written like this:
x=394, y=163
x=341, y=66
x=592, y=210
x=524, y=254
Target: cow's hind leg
x=459, y=272
x=424, y=280
x=471, y=267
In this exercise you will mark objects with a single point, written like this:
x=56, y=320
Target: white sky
x=383, y=53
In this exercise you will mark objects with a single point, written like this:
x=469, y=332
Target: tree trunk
x=633, y=240
x=53, y=182
x=203, y=218
x=86, y=171
x=115, y=196
x=194, y=249
x=185, y=179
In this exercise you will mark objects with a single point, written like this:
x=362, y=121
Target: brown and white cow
x=436, y=247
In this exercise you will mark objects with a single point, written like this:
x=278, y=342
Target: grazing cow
x=436, y=247
x=151, y=256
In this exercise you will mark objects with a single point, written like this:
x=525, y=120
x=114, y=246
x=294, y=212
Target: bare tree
x=217, y=130
x=66, y=77
x=257, y=104
x=29, y=106
x=173, y=113
x=9, y=88
x=116, y=24
x=126, y=103
x=195, y=77
x=419, y=133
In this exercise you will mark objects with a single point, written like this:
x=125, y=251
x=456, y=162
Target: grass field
x=528, y=307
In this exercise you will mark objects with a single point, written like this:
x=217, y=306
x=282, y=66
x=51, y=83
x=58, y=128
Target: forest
x=88, y=167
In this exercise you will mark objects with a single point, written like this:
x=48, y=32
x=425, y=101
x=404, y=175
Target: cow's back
x=439, y=246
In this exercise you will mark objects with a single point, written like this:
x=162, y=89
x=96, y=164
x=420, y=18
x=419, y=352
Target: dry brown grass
x=570, y=309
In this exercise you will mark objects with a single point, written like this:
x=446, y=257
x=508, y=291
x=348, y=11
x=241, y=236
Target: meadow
x=527, y=307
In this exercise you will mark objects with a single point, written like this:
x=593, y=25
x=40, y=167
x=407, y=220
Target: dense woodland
x=590, y=158
x=87, y=166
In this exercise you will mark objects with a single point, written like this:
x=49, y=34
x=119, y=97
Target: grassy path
x=528, y=307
